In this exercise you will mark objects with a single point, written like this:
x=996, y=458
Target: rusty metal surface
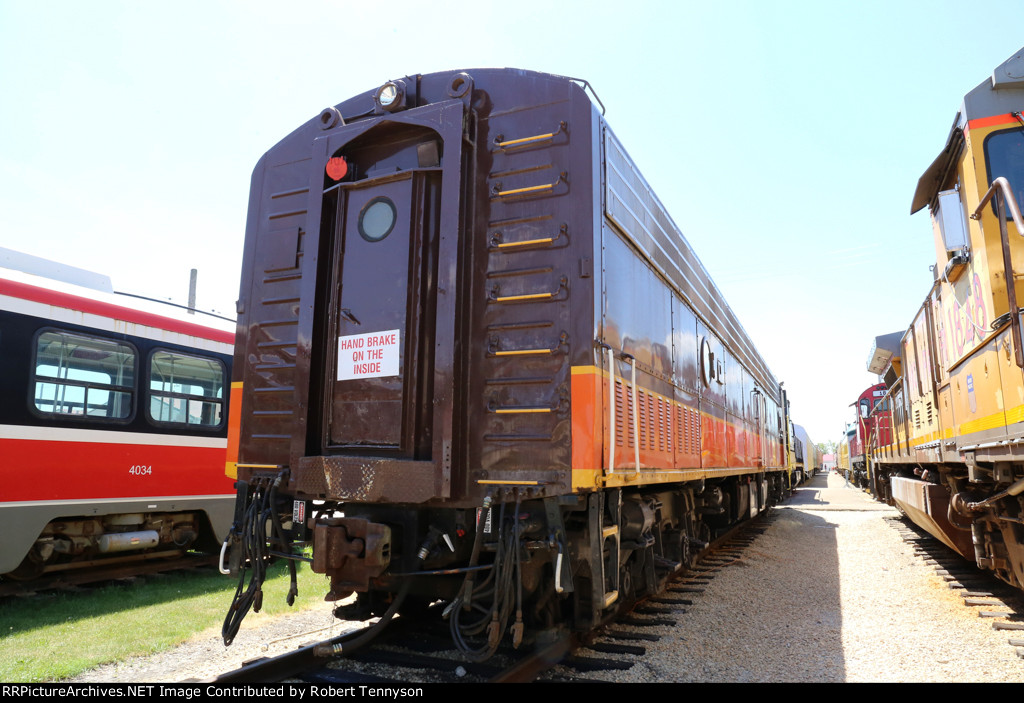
x=370, y=479
x=351, y=551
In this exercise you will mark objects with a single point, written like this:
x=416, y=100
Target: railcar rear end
x=469, y=330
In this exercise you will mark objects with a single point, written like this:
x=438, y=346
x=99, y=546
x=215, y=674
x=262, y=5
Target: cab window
x=1004, y=156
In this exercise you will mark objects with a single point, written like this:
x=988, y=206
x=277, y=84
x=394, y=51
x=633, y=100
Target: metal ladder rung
x=514, y=352
x=524, y=140
x=527, y=189
x=527, y=242
x=530, y=296
x=505, y=411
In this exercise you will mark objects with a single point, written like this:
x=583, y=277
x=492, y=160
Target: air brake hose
x=467, y=586
x=495, y=617
x=293, y=589
x=348, y=647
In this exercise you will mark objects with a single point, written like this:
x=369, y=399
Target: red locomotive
x=872, y=427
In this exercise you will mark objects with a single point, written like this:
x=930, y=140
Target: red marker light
x=337, y=167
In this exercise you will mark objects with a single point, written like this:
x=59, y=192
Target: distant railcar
x=871, y=427
x=113, y=424
x=477, y=361
x=843, y=453
x=808, y=458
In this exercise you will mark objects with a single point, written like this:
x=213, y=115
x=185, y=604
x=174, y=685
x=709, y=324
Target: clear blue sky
x=785, y=138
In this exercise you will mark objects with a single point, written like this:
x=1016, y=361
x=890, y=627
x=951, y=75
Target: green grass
x=57, y=636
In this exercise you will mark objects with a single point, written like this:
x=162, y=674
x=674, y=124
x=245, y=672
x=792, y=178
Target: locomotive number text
x=139, y=470
x=968, y=322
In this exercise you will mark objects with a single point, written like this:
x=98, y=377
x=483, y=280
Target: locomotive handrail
x=611, y=411
x=493, y=294
x=519, y=352
x=493, y=343
x=636, y=427
x=1000, y=190
x=223, y=552
x=1002, y=186
x=586, y=86
x=523, y=409
x=497, y=243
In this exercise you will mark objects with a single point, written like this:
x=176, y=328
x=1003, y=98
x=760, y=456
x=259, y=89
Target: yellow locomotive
x=955, y=460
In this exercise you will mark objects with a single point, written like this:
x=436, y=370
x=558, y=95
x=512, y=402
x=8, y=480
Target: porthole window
x=377, y=219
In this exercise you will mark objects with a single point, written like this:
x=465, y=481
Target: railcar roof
x=73, y=289
x=38, y=266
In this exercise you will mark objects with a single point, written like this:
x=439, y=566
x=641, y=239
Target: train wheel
x=31, y=567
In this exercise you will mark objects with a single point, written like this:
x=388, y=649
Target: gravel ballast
x=829, y=592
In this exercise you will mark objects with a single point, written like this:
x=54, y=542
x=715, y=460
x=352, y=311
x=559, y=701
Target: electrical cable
x=256, y=554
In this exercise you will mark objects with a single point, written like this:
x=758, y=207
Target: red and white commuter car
x=113, y=422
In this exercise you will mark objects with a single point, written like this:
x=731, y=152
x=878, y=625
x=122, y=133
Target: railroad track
x=623, y=644
x=419, y=650
x=988, y=596
x=100, y=573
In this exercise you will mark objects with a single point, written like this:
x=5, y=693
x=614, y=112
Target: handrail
x=1000, y=189
x=636, y=426
x=1007, y=193
x=611, y=411
x=632, y=419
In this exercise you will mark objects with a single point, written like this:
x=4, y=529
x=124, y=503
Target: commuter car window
x=185, y=389
x=78, y=375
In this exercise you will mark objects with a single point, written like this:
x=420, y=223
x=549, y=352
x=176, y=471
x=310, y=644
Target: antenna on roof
x=192, y=292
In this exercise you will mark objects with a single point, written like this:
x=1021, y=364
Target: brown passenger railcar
x=468, y=330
